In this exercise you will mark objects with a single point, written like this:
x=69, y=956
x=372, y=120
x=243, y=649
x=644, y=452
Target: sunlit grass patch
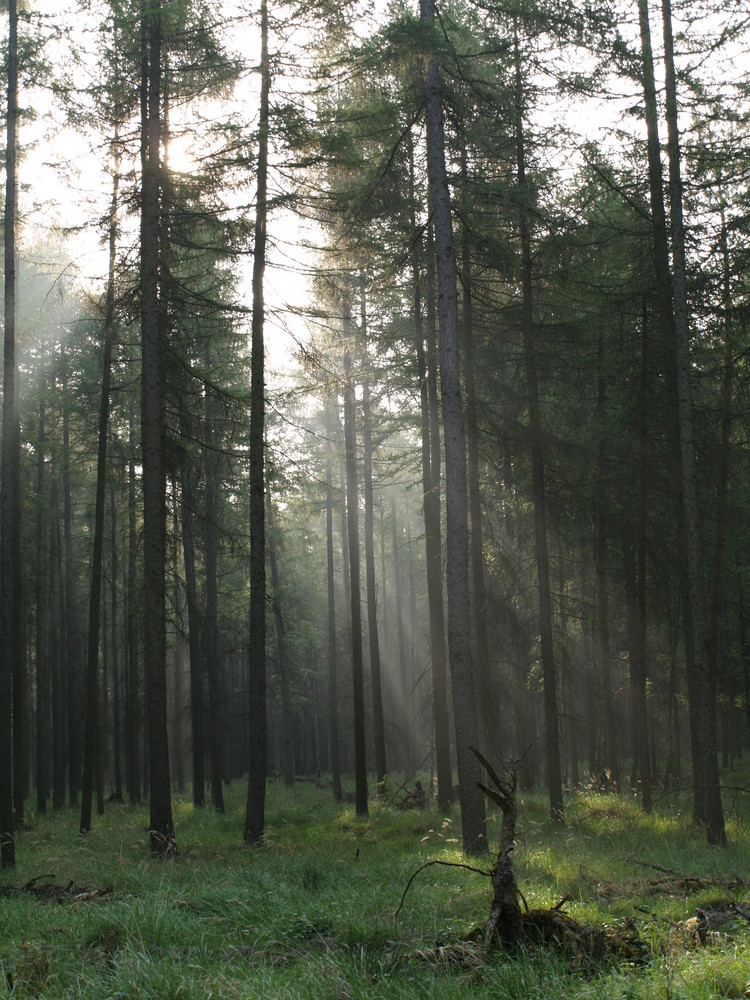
x=311, y=912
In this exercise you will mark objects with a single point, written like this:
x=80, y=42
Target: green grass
x=311, y=914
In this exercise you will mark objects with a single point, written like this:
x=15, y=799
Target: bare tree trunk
x=352, y=522
x=398, y=593
x=554, y=776
x=56, y=653
x=12, y=679
x=161, y=825
x=197, y=727
x=132, y=706
x=434, y=552
x=459, y=638
x=635, y=590
x=611, y=761
x=211, y=624
x=256, y=786
x=92, y=739
x=486, y=707
x=42, y=599
x=381, y=769
x=707, y=807
x=722, y=474
x=333, y=687
x=72, y=636
x=287, y=740
x=116, y=678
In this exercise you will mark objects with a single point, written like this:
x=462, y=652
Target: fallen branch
x=428, y=864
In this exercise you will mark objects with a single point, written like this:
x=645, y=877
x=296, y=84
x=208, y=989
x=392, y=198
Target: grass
x=311, y=913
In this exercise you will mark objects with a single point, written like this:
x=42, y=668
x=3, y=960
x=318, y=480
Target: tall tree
x=552, y=735
x=381, y=768
x=672, y=298
x=92, y=737
x=10, y=541
x=333, y=692
x=161, y=824
x=459, y=629
x=256, y=788
x=352, y=527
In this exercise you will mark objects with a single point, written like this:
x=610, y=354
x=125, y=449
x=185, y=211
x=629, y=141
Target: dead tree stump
x=505, y=919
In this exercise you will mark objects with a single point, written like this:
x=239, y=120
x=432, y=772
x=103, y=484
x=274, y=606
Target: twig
x=408, y=778
x=656, y=868
x=33, y=881
x=427, y=864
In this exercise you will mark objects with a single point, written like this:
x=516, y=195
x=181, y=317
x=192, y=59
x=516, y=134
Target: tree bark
x=42, y=601
x=92, y=739
x=10, y=577
x=398, y=593
x=132, y=701
x=287, y=739
x=459, y=636
x=256, y=787
x=554, y=775
x=381, y=768
x=333, y=687
x=187, y=514
x=434, y=551
x=352, y=523
x=161, y=825
x=486, y=707
x=72, y=636
x=722, y=472
x=56, y=653
x=707, y=807
x=635, y=588
x=211, y=625
x=116, y=678
x=611, y=764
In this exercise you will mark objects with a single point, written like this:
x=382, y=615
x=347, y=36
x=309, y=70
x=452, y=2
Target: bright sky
x=65, y=186
x=67, y=182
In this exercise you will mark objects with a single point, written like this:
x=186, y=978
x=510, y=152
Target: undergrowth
x=311, y=913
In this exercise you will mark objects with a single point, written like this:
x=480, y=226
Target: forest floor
x=311, y=913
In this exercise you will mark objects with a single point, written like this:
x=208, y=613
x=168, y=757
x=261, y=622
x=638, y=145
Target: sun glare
x=180, y=154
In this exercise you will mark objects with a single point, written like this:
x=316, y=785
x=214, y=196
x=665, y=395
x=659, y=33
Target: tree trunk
x=722, y=473
x=161, y=825
x=132, y=701
x=434, y=553
x=194, y=628
x=611, y=762
x=92, y=738
x=72, y=637
x=459, y=626
x=256, y=787
x=11, y=676
x=211, y=624
x=707, y=807
x=56, y=653
x=554, y=776
x=381, y=769
x=287, y=740
x=487, y=709
x=42, y=599
x=116, y=679
x=352, y=522
x=333, y=688
x=635, y=588
x=398, y=593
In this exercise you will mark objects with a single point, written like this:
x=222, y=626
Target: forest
x=373, y=414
